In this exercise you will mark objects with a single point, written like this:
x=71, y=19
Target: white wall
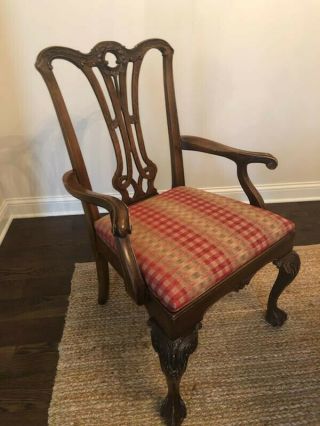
x=246, y=74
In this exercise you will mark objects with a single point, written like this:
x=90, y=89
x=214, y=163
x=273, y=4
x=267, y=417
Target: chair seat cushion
x=187, y=240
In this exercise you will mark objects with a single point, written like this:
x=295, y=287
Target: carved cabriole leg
x=288, y=266
x=173, y=355
x=103, y=279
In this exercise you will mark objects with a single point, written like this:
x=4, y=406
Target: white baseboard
x=5, y=220
x=275, y=193
x=27, y=207
x=13, y=208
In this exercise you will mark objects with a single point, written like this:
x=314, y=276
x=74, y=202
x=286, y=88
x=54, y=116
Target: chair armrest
x=118, y=210
x=194, y=143
x=121, y=228
x=240, y=157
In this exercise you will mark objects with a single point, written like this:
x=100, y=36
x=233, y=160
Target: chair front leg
x=288, y=266
x=173, y=355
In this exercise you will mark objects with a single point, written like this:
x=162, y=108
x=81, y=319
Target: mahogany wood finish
x=174, y=335
x=240, y=157
x=173, y=355
x=289, y=267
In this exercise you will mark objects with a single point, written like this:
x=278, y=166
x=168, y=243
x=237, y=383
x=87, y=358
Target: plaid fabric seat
x=187, y=240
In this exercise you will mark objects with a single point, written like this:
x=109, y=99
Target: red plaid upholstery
x=187, y=240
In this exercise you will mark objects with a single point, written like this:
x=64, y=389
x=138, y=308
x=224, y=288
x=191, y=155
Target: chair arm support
x=121, y=229
x=119, y=214
x=241, y=157
x=194, y=143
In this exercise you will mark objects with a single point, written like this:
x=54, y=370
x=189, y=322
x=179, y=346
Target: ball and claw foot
x=276, y=317
x=288, y=266
x=173, y=355
x=174, y=412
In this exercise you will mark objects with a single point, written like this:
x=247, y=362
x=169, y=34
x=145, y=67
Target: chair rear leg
x=173, y=355
x=288, y=266
x=103, y=279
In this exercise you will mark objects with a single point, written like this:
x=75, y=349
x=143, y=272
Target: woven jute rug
x=244, y=372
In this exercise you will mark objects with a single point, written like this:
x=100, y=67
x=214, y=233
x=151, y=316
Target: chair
x=179, y=251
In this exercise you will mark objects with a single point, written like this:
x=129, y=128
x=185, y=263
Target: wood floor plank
x=35, y=330
x=20, y=288
x=35, y=307
x=23, y=409
x=306, y=216
x=28, y=359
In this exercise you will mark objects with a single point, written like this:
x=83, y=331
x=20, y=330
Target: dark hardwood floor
x=37, y=260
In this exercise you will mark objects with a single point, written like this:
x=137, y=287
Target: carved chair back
x=122, y=119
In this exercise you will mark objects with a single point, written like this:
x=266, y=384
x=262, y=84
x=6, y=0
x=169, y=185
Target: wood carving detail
x=290, y=264
x=289, y=267
x=173, y=355
x=129, y=136
x=242, y=284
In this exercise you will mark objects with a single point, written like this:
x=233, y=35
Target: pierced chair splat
x=180, y=251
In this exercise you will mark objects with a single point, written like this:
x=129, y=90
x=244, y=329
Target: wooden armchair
x=180, y=251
